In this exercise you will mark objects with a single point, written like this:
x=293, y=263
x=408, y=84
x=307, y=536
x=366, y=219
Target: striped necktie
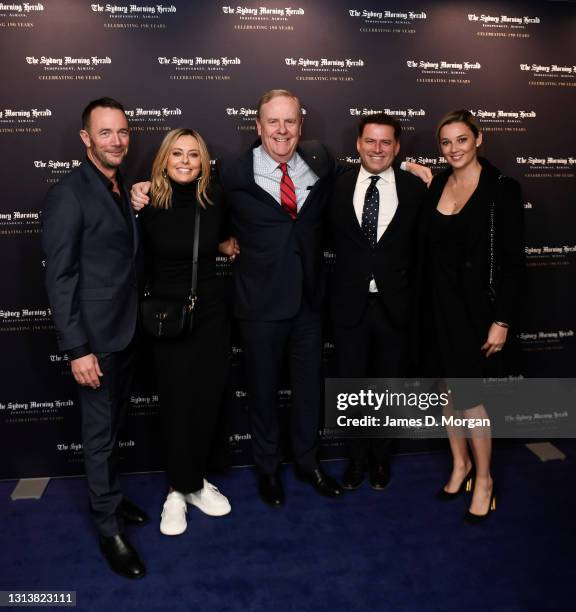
x=287, y=192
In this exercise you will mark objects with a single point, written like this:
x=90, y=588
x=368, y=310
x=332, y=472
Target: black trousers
x=192, y=376
x=268, y=345
x=103, y=412
x=374, y=348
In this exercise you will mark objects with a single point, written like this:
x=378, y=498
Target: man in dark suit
x=276, y=194
x=373, y=214
x=90, y=239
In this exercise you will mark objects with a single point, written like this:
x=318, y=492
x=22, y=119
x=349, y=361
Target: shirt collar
x=387, y=176
x=107, y=182
x=269, y=165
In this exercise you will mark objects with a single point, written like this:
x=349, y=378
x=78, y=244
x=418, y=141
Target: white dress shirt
x=268, y=176
x=387, y=205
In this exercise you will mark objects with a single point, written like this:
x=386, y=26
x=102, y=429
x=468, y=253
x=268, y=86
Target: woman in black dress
x=192, y=370
x=474, y=257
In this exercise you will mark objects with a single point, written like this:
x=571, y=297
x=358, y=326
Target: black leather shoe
x=322, y=483
x=131, y=514
x=353, y=476
x=121, y=556
x=379, y=476
x=270, y=490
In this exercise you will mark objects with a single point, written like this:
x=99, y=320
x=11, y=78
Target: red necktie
x=287, y=192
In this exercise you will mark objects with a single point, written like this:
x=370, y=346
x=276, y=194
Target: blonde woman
x=474, y=256
x=192, y=370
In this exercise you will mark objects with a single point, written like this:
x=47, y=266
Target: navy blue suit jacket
x=280, y=259
x=93, y=263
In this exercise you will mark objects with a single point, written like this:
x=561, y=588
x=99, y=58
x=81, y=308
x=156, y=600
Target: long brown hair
x=459, y=116
x=161, y=190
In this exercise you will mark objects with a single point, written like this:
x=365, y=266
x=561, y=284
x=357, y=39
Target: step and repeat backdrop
x=204, y=64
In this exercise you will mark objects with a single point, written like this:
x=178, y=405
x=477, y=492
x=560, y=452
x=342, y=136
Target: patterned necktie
x=287, y=192
x=370, y=212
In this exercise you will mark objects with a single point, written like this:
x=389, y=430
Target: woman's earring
x=164, y=174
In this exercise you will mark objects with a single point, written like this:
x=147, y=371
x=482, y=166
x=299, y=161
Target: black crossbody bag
x=168, y=318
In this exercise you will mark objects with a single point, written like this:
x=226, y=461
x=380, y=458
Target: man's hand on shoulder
x=86, y=371
x=139, y=195
x=422, y=172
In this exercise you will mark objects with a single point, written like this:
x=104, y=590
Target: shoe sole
x=207, y=513
x=379, y=488
x=351, y=488
x=172, y=533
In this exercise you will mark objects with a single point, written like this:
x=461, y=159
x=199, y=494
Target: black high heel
x=466, y=486
x=474, y=519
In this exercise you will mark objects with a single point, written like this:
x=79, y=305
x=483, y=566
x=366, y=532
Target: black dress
x=456, y=310
x=452, y=332
x=191, y=371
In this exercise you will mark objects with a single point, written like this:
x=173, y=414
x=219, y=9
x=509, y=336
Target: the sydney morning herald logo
x=15, y=8
x=55, y=169
x=547, y=166
x=443, y=66
x=443, y=71
x=18, y=119
x=518, y=21
x=139, y=114
x=503, y=115
x=135, y=10
x=404, y=115
x=504, y=120
x=19, y=222
x=547, y=162
x=387, y=17
x=325, y=68
x=67, y=61
x=69, y=68
x=199, y=67
x=565, y=71
x=263, y=12
x=25, y=318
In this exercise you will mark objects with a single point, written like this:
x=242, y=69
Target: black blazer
x=280, y=259
x=509, y=255
x=93, y=263
x=392, y=262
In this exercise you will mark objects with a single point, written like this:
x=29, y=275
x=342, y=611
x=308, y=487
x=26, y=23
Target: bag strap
x=491, y=286
x=194, y=282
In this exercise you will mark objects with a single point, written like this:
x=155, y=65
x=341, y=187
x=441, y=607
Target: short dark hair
x=99, y=103
x=380, y=119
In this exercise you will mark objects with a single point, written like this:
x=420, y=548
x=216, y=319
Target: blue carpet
x=394, y=550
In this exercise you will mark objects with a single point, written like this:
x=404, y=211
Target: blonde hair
x=161, y=189
x=278, y=93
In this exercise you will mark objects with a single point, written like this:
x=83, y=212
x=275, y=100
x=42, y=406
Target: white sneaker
x=209, y=500
x=173, y=520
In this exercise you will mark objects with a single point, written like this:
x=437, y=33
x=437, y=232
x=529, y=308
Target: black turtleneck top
x=168, y=242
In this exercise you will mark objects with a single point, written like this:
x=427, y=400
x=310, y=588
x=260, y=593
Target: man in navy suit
x=374, y=213
x=90, y=239
x=276, y=193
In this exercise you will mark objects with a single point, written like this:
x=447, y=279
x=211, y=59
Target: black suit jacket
x=392, y=262
x=93, y=263
x=280, y=259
